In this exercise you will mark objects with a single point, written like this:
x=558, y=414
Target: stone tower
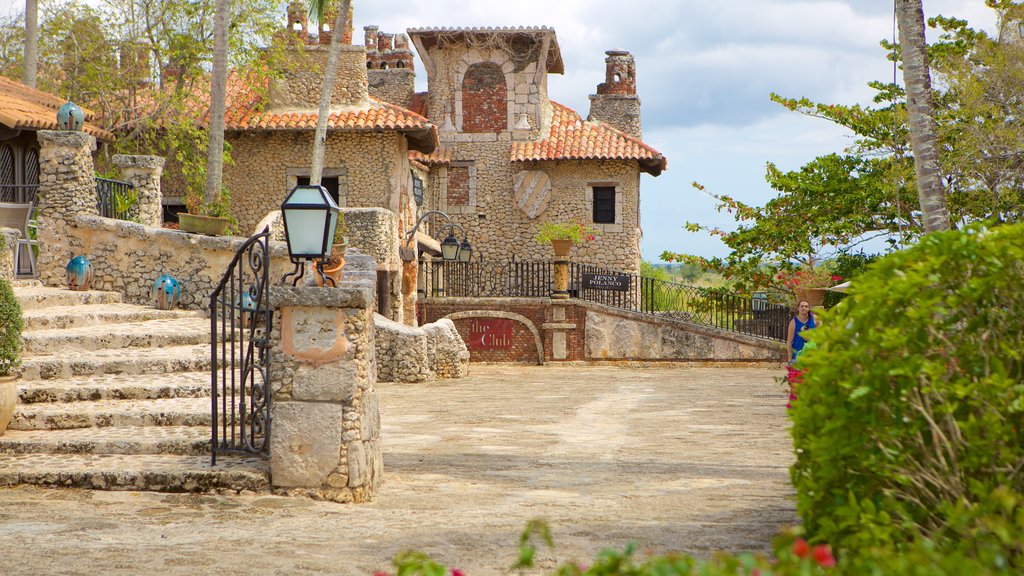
x=389, y=66
x=616, y=102
x=297, y=20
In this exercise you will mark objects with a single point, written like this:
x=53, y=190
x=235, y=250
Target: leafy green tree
x=837, y=202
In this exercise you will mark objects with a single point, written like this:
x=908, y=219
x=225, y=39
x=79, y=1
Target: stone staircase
x=116, y=396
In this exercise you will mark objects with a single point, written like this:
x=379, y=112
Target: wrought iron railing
x=18, y=193
x=114, y=198
x=240, y=322
x=485, y=278
x=713, y=307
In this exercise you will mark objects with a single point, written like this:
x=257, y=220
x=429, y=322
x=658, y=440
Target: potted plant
x=11, y=325
x=335, y=263
x=563, y=235
x=210, y=218
x=808, y=282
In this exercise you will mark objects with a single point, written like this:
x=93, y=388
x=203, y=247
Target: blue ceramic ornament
x=70, y=117
x=166, y=292
x=247, y=305
x=79, y=271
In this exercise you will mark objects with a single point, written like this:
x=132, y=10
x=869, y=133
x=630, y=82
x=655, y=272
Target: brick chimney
x=389, y=66
x=297, y=19
x=330, y=16
x=616, y=102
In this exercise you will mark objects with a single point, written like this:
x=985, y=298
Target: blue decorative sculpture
x=79, y=271
x=70, y=117
x=166, y=292
x=247, y=306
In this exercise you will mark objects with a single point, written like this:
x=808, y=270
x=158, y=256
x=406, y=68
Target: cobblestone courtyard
x=689, y=459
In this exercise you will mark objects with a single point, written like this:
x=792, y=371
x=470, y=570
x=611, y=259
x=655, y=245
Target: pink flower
x=457, y=572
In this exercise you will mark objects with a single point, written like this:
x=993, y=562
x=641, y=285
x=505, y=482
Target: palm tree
x=921, y=115
x=316, y=8
x=218, y=91
x=28, y=75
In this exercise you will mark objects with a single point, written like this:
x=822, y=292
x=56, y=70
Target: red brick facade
x=458, y=185
x=537, y=312
x=484, y=99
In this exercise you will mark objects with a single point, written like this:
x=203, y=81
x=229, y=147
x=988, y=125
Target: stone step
x=118, y=361
x=102, y=413
x=148, y=334
x=156, y=472
x=116, y=387
x=36, y=297
x=97, y=314
x=184, y=440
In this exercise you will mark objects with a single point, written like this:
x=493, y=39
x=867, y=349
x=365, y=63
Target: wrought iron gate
x=240, y=321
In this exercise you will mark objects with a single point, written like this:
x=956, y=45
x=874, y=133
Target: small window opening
x=604, y=205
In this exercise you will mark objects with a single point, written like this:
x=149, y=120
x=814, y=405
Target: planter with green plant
x=11, y=325
x=210, y=218
x=563, y=235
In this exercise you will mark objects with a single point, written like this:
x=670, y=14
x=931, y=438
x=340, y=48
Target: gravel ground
x=684, y=459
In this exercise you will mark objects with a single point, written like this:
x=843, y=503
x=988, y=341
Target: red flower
x=801, y=548
x=836, y=278
x=823, y=556
x=457, y=572
x=379, y=573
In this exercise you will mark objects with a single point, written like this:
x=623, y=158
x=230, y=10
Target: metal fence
x=713, y=307
x=484, y=278
x=114, y=198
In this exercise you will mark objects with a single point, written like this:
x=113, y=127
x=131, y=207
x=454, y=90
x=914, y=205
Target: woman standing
x=804, y=320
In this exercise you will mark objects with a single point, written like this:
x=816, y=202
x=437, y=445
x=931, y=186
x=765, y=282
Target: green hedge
x=909, y=428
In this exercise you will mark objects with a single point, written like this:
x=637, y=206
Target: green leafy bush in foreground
x=909, y=427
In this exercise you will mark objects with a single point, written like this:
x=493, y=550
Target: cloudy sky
x=705, y=70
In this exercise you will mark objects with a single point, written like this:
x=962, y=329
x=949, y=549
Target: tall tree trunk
x=31, y=63
x=921, y=115
x=218, y=92
x=316, y=169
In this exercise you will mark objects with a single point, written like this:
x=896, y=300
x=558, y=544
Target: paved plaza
x=673, y=458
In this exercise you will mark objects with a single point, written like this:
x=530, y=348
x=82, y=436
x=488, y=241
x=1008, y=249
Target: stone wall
x=423, y=354
x=326, y=413
x=395, y=85
x=499, y=229
x=617, y=110
x=303, y=80
x=8, y=250
x=573, y=330
x=372, y=168
x=144, y=174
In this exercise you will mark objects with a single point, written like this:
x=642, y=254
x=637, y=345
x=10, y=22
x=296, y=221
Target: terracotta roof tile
x=440, y=155
x=572, y=138
x=22, y=107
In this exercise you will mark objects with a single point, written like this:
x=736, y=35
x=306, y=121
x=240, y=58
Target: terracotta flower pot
x=8, y=398
x=561, y=248
x=333, y=268
x=813, y=296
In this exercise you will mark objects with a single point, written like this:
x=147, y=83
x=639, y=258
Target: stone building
x=484, y=144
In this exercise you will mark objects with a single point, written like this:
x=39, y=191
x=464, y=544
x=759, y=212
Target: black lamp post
x=451, y=249
x=310, y=218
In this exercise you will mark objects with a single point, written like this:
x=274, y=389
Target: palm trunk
x=31, y=63
x=921, y=115
x=218, y=92
x=320, y=136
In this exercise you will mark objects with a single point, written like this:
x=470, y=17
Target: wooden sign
x=490, y=333
x=609, y=281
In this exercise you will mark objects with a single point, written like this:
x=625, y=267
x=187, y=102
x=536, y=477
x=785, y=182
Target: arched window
x=484, y=99
x=6, y=174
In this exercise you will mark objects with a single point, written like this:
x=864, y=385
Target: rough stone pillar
x=144, y=173
x=325, y=416
x=8, y=249
x=67, y=188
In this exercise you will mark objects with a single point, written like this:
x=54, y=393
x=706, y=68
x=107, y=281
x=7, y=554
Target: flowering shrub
x=807, y=277
x=574, y=231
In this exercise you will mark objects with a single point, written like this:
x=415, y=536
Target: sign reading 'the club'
x=617, y=282
x=490, y=334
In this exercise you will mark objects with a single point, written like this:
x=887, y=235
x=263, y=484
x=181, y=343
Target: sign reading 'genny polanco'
x=490, y=333
x=617, y=282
